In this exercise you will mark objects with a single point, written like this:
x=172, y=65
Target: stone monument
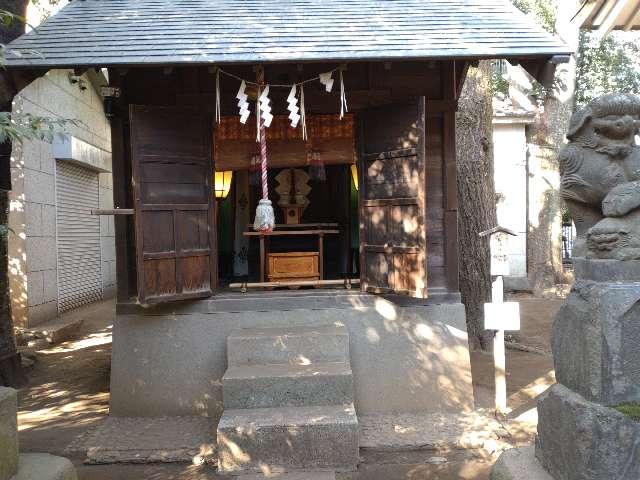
x=589, y=422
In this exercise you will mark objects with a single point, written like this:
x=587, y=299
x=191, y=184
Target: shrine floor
x=68, y=394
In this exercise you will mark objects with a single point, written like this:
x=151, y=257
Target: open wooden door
x=172, y=170
x=392, y=200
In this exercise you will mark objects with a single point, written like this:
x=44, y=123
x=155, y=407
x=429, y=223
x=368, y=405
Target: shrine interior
x=313, y=186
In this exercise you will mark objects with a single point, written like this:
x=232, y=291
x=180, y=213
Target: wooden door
x=172, y=169
x=392, y=200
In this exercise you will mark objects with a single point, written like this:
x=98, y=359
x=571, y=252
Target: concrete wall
x=32, y=252
x=510, y=176
x=410, y=358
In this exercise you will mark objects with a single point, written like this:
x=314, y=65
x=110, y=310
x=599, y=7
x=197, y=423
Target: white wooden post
x=498, y=315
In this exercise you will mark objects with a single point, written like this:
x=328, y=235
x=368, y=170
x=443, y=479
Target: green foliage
x=630, y=409
x=19, y=127
x=543, y=11
x=610, y=65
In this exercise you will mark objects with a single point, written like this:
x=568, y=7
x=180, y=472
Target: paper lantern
x=222, y=184
x=354, y=175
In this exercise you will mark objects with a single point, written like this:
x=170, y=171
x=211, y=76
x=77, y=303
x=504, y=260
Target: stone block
x=41, y=254
x=298, y=437
x=582, y=440
x=596, y=342
x=264, y=386
x=43, y=466
x=33, y=218
x=39, y=187
x=50, y=285
x=8, y=433
x=606, y=271
x=519, y=464
x=45, y=312
x=288, y=345
x=35, y=288
x=48, y=221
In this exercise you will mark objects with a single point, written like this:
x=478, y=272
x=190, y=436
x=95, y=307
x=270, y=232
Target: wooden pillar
x=121, y=187
x=450, y=94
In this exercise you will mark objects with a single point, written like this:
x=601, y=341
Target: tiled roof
x=131, y=32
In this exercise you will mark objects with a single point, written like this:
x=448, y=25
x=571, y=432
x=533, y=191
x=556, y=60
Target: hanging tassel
x=343, y=97
x=303, y=115
x=265, y=220
x=218, y=115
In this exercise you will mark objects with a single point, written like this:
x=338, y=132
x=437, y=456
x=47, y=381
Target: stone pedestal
x=596, y=335
x=580, y=440
x=596, y=351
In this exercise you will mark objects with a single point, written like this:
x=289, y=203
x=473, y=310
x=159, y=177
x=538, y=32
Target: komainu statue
x=600, y=177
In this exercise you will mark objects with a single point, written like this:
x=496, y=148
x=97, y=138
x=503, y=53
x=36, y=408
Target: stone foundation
x=406, y=356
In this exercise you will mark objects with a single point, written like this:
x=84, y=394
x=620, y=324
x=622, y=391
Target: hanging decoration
x=343, y=98
x=303, y=114
x=265, y=220
x=243, y=105
x=296, y=94
x=327, y=80
x=293, y=107
x=218, y=115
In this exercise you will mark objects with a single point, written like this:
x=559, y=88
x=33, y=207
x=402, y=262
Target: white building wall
x=510, y=175
x=32, y=217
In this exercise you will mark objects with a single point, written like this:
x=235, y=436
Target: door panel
x=392, y=200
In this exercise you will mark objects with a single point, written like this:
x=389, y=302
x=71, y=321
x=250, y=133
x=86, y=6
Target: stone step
x=264, y=386
x=293, y=345
x=288, y=438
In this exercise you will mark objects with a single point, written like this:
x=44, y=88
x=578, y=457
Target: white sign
x=499, y=244
x=502, y=316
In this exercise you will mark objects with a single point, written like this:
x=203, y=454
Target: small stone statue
x=600, y=170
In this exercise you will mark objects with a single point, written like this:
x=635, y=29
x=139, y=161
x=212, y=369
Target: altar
x=292, y=266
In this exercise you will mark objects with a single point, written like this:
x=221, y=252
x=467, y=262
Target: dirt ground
x=68, y=393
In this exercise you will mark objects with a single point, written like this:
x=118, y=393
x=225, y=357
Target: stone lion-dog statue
x=600, y=177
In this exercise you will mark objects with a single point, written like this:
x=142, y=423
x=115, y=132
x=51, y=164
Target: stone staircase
x=288, y=401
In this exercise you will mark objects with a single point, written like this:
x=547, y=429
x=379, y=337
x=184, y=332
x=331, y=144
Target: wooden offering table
x=292, y=266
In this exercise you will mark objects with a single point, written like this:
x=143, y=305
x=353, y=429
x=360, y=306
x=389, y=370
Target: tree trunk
x=545, y=137
x=476, y=197
x=10, y=374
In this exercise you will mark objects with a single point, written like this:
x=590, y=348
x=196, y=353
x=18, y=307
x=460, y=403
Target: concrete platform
x=299, y=345
x=519, y=464
x=264, y=386
x=42, y=466
x=288, y=438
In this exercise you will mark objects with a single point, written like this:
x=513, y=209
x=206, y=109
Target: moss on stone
x=630, y=409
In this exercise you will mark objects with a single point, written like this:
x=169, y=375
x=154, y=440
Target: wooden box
x=291, y=266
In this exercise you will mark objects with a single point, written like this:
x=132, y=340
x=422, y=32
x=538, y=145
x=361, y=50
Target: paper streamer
x=343, y=98
x=218, y=115
x=303, y=115
x=265, y=109
x=243, y=105
x=293, y=107
x=327, y=81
